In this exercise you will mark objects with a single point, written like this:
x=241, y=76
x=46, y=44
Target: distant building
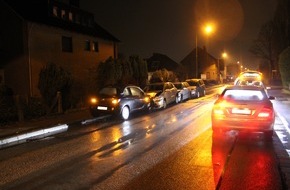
x=200, y=64
x=36, y=32
x=159, y=62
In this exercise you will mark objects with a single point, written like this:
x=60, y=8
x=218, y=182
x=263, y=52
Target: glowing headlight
x=115, y=101
x=94, y=100
x=147, y=99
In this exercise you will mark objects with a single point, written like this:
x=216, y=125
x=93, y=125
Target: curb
x=21, y=138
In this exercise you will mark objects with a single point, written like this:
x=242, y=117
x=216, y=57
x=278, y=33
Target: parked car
x=244, y=108
x=120, y=101
x=162, y=94
x=183, y=90
x=199, y=85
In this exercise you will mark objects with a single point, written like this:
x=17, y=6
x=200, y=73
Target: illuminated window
x=96, y=46
x=70, y=16
x=87, y=45
x=63, y=14
x=55, y=11
x=66, y=44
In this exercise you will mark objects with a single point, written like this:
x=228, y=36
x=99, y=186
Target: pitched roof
x=40, y=11
x=159, y=61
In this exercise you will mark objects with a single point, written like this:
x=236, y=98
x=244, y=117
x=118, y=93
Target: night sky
x=169, y=27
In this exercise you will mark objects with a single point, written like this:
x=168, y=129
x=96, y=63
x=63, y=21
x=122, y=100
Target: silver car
x=162, y=94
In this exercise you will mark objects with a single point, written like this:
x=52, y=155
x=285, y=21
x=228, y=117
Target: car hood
x=153, y=94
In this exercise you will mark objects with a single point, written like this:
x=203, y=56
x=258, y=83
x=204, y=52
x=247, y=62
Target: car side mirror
x=271, y=98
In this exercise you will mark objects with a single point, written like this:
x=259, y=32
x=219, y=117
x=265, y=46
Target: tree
x=120, y=72
x=53, y=79
x=284, y=63
x=263, y=45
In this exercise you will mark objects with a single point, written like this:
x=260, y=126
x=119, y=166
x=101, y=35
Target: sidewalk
x=17, y=132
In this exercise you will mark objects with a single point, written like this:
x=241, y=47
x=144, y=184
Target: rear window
x=192, y=83
x=244, y=95
x=109, y=91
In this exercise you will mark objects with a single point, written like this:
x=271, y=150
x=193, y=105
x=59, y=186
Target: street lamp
x=208, y=29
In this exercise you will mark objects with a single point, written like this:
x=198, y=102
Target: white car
x=162, y=94
x=184, y=92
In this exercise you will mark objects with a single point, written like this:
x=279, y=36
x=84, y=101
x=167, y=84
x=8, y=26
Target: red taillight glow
x=218, y=112
x=265, y=112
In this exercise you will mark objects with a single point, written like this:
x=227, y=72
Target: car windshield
x=154, y=87
x=178, y=85
x=108, y=91
x=243, y=95
x=192, y=83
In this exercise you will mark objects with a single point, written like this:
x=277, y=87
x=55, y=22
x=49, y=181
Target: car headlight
x=115, y=101
x=157, y=98
x=93, y=100
x=147, y=99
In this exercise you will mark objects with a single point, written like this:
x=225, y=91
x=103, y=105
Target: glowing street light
x=208, y=30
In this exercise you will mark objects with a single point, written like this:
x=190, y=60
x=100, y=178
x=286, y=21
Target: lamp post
x=208, y=29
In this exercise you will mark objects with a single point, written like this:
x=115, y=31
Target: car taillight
x=218, y=111
x=265, y=113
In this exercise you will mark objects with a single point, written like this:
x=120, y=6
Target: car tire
x=217, y=131
x=178, y=98
x=125, y=113
x=268, y=135
x=164, y=104
x=197, y=94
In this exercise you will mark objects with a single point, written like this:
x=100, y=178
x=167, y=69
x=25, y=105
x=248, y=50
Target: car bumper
x=243, y=125
x=102, y=110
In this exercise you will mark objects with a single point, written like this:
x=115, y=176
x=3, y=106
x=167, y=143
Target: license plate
x=241, y=111
x=102, y=108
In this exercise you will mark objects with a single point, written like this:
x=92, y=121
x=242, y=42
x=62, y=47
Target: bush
x=284, y=65
x=53, y=79
x=34, y=108
x=7, y=105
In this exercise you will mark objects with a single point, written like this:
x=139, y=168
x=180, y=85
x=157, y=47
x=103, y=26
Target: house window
x=66, y=44
x=70, y=16
x=96, y=46
x=87, y=45
x=63, y=14
x=55, y=11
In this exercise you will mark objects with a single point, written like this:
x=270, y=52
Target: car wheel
x=125, y=113
x=164, y=104
x=177, y=98
x=197, y=94
x=268, y=135
x=217, y=132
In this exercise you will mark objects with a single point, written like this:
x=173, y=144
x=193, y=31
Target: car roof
x=243, y=87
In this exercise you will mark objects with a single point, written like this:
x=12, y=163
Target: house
x=160, y=61
x=200, y=64
x=37, y=32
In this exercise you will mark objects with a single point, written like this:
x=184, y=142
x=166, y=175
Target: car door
x=172, y=91
x=137, y=98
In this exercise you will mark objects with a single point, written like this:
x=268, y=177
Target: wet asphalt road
x=166, y=149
